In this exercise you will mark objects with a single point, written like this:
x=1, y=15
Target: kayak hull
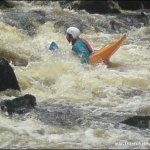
x=104, y=54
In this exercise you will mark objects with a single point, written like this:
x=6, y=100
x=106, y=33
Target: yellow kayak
x=104, y=54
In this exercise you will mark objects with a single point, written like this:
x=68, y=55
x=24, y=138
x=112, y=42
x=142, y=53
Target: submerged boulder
x=60, y=114
x=8, y=78
x=16, y=59
x=19, y=105
x=138, y=121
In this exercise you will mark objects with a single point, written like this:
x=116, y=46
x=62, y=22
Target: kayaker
x=79, y=45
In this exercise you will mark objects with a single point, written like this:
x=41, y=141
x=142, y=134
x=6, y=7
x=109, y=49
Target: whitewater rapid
x=57, y=78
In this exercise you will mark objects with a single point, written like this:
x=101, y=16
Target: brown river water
x=101, y=96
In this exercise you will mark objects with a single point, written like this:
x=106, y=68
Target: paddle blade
x=53, y=46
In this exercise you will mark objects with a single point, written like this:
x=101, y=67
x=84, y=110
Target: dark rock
x=5, y=4
x=103, y=6
x=138, y=121
x=146, y=4
x=119, y=23
x=8, y=79
x=28, y=21
x=106, y=6
x=130, y=5
x=125, y=22
x=19, y=105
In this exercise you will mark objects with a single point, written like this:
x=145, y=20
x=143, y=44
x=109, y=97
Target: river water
x=100, y=96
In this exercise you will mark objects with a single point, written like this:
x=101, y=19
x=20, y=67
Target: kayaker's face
x=69, y=38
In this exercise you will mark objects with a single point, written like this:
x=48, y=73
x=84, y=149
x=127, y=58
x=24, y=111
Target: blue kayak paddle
x=53, y=46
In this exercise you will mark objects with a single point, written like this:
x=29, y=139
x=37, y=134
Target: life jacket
x=87, y=45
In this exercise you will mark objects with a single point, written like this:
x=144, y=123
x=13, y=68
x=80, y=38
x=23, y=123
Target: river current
x=100, y=97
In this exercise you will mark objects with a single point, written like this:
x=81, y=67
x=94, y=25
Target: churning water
x=85, y=104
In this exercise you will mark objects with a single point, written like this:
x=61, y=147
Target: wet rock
x=130, y=5
x=99, y=6
x=8, y=79
x=6, y=4
x=125, y=22
x=19, y=105
x=28, y=21
x=146, y=4
x=135, y=20
x=117, y=26
x=69, y=116
x=138, y=121
x=119, y=23
x=105, y=6
x=92, y=6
